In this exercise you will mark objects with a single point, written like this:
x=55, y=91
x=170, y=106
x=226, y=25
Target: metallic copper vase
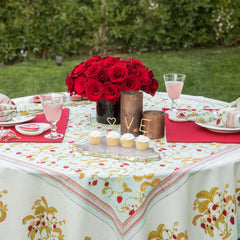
x=153, y=124
x=131, y=106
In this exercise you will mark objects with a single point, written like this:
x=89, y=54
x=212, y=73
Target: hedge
x=46, y=28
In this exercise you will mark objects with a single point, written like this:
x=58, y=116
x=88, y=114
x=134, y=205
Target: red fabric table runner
x=40, y=118
x=189, y=132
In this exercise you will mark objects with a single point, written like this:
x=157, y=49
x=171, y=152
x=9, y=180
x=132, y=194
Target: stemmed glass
x=174, y=84
x=52, y=106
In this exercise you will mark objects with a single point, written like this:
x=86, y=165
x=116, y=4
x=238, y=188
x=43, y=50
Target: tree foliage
x=46, y=28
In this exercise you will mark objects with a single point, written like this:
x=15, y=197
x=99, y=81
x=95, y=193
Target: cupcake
x=127, y=140
x=95, y=137
x=113, y=138
x=142, y=142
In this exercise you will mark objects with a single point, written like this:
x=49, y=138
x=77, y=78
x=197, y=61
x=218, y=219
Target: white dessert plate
x=218, y=129
x=17, y=120
x=173, y=117
x=42, y=128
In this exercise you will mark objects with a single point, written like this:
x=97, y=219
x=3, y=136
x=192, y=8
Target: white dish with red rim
x=42, y=128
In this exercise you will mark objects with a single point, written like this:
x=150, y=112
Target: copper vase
x=153, y=124
x=131, y=106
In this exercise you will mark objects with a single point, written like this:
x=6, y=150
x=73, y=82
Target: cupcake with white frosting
x=127, y=140
x=113, y=138
x=142, y=143
x=95, y=137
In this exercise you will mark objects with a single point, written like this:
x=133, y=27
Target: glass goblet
x=174, y=84
x=52, y=106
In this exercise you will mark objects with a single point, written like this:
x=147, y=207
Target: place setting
x=42, y=123
x=199, y=125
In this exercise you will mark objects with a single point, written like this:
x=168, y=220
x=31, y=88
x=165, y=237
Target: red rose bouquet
x=105, y=78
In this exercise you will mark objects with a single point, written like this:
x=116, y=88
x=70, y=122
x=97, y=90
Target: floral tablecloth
x=52, y=191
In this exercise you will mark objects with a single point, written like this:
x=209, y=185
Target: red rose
x=111, y=92
x=154, y=87
x=150, y=75
x=136, y=62
x=133, y=65
x=79, y=88
x=94, y=90
x=131, y=83
x=143, y=76
x=92, y=71
x=102, y=75
x=118, y=73
x=92, y=60
x=79, y=69
x=151, y=88
x=110, y=61
x=70, y=82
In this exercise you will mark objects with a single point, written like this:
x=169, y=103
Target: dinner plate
x=218, y=129
x=17, y=120
x=173, y=117
x=42, y=128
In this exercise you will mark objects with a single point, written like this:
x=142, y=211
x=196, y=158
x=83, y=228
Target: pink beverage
x=174, y=89
x=52, y=110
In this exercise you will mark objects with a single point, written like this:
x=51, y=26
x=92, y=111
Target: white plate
x=17, y=120
x=173, y=117
x=42, y=128
x=218, y=129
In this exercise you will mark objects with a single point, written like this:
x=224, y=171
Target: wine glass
x=174, y=84
x=52, y=106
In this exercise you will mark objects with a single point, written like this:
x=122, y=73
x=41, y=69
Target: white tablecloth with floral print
x=51, y=191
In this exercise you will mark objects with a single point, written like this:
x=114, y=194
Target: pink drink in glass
x=174, y=85
x=174, y=89
x=52, y=110
x=52, y=106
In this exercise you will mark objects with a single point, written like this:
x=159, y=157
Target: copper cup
x=153, y=123
x=131, y=106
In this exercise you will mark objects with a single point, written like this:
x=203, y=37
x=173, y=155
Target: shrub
x=47, y=28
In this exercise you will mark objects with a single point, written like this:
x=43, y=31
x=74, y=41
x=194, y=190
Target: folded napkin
x=228, y=117
x=9, y=110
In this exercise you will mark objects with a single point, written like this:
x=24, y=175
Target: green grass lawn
x=213, y=73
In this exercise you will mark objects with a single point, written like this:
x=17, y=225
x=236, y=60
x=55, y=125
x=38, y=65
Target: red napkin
x=40, y=118
x=189, y=132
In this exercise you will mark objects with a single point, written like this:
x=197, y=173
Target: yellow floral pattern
x=163, y=233
x=217, y=212
x=3, y=207
x=123, y=200
x=43, y=224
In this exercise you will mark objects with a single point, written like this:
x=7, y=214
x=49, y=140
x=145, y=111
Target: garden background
x=199, y=38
